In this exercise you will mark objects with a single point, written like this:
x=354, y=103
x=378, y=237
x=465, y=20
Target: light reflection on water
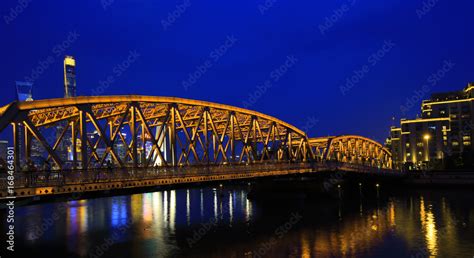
x=163, y=223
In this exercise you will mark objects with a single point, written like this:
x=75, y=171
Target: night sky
x=288, y=59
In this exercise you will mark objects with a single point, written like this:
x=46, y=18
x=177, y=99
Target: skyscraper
x=69, y=77
x=24, y=91
x=64, y=150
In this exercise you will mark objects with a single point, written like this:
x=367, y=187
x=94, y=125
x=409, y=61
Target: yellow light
x=69, y=60
x=423, y=120
x=427, y=137
x=448, y=101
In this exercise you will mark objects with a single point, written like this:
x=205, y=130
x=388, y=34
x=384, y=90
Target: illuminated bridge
x=107, y=142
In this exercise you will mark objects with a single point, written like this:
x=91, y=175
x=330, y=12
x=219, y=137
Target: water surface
x=222, y=222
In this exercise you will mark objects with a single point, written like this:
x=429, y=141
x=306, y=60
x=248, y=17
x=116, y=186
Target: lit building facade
x=69, y=77
x=445, y=129
x=24, y=91
x=65, y=146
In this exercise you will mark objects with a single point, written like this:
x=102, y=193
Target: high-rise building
x=24, y=91
x=69, y=77
x=444, y=131
x=64, y=147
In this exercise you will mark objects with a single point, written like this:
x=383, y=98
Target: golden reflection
x=354, y=235
x=165, y=206
x=428, y=225
x=305, y=248
x=136, y=207
x=158, y=216
x=147, y=208
x=157, y=200
x=82, y=216
x=391, y=212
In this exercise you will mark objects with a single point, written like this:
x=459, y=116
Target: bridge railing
x=62, y=178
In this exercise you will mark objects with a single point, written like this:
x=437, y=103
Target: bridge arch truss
x=352, y=149
x=144, y=131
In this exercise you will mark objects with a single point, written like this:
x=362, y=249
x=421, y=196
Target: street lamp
x=427, y=137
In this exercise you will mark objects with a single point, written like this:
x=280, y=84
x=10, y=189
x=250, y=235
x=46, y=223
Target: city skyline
x=268, y=128
x=166, y=53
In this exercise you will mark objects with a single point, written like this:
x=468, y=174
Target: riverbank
x=440, y=178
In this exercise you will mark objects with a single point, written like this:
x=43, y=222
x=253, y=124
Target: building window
x=455, y=143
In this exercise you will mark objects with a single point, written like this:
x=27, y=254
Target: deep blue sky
x=310, y=88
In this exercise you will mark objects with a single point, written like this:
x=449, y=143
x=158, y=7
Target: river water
x=222, y=222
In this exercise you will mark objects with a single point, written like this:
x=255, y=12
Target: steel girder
x=352, y=149
x=142, y=131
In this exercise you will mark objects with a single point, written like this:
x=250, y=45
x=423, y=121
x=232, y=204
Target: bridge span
x=77, y=143
x=68, y=182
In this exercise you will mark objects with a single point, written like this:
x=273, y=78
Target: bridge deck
x=66, y=182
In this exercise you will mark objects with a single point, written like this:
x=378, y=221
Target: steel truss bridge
x=69, y=138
